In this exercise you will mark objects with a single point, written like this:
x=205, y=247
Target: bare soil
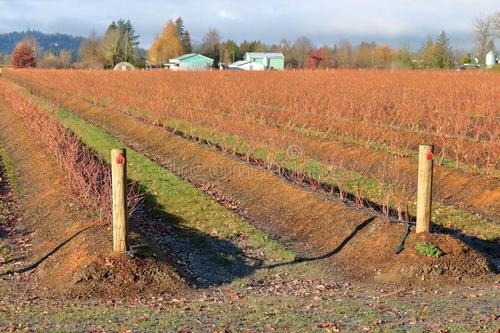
x=374, y=256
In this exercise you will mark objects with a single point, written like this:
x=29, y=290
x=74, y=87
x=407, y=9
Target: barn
x=191, y=62
x=270, y=60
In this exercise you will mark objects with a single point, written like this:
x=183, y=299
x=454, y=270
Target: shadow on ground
x=209, y=261
x=330, y=254
x=203, y=260
x=489, y=249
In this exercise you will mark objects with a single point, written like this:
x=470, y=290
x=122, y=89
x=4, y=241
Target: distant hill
x=48, y=42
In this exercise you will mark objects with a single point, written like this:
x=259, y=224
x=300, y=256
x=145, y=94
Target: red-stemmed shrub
x=23, y=56
x=88, y=176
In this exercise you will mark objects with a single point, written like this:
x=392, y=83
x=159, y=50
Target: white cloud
x=227, y=15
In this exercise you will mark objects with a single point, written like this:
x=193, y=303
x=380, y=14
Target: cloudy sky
x=324, y=21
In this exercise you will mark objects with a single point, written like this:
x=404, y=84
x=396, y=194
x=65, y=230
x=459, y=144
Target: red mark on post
x=120, y=159
x=430, y=155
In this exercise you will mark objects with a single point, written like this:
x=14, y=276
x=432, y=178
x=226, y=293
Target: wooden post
x=119, y=175
x=424, y=190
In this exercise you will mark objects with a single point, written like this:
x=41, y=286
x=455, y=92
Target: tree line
x=121, y=43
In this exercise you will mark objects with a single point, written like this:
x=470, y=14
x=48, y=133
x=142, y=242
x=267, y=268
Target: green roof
x=190, y=55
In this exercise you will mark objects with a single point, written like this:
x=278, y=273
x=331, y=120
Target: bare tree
x=33, y=44
x=345, y=51
x=91, y=50
x=211, y=45
x=496, y=24
x=483, y=30
x=301, y=48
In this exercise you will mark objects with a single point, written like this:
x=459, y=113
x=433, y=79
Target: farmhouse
x=247, y=65
x=190, y=62
x=268, y=59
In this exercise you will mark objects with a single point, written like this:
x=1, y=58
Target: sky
x=325, y=22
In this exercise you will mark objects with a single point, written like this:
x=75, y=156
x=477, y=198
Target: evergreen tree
x=128, y=41
x=179, y=26
x=184, y=35
x=229, y=52
x=252, y=46
x=186, y=42
x=129, y=29
x=443, y=54
x=120, y=43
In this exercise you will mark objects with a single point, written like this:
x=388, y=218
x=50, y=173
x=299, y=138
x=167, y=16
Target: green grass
x=428, y=250
x=193, y=210
x=5, y=246
x=9, y=169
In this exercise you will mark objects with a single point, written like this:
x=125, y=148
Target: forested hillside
x=47, y=42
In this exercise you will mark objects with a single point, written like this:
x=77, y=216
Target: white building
x=490, y=59
x=270, y=60
x=247, y=65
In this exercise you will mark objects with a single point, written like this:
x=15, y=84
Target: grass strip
x=8, y=169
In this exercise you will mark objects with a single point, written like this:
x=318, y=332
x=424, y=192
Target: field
x=356, y=130
x=248, y=184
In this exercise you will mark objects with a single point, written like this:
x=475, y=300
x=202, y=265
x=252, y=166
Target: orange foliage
x=393, y=110
x=344, y=119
